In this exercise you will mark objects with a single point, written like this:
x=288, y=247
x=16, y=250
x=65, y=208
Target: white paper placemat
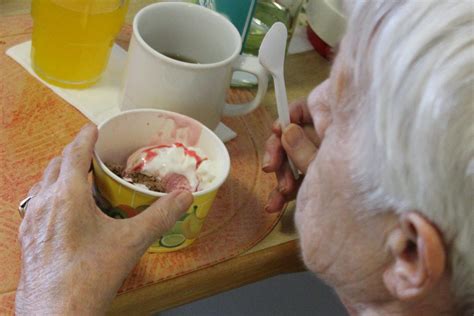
x=100, y=101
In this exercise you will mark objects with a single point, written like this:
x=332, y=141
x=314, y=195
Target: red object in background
x=319, y=45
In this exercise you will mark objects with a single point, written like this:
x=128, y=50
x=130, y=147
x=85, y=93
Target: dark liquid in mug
x=181, y=58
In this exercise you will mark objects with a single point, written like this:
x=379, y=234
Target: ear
x=419, y=257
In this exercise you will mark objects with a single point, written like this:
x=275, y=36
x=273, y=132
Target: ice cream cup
x=128, y=131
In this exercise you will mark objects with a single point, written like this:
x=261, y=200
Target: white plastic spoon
x=272, y=56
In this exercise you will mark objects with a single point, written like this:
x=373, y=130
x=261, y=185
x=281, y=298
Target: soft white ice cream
x=177, y=166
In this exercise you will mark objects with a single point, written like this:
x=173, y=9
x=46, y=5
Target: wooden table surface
x=278, y=253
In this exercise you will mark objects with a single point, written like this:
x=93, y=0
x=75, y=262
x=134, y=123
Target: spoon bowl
x=272, y=56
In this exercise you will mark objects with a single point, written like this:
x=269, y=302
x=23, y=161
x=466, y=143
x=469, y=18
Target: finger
x=310, y=132
x=273, y=156
x=77, y=155
x=276, y=128
x=299, y=114
x=286, y=180
x=161, y=215
x=276, y=202
x=52, y=171
x=309, y=129
x=298, y=147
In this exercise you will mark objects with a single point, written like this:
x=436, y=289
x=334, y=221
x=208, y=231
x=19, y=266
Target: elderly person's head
x=386, y=209
x=385, y=212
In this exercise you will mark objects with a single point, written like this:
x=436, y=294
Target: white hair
x=413, y=65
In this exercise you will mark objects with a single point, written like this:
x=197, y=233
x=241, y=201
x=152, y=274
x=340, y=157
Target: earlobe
x=418, y=257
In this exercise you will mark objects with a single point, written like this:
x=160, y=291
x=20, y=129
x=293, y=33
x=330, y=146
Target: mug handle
x=252, y=65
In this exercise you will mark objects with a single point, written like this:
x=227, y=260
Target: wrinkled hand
x=74, y=257
x=299, y=141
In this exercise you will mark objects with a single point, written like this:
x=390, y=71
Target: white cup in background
x=153, y=80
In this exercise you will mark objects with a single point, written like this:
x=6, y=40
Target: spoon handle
x=294, y=170
x=283, y=111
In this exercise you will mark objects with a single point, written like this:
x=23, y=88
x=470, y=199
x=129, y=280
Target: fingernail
x=87, y=126
x=266, y=160
x=282, y=186
x=184, y=199
x=293, y=135
x=267, y=209
x=276, y=126
x=270, y=210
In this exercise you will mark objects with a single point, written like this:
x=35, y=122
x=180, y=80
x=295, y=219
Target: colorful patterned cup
x=124, y=133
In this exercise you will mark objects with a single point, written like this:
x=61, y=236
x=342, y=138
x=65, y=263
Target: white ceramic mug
x=153, y=80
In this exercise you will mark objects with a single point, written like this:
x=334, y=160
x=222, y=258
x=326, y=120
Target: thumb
x=299, y=148
x=160, y=217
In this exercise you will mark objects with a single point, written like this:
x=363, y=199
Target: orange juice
x=72, y=39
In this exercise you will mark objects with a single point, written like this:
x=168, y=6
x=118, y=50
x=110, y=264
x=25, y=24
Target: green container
x=266, y=14
x=239, y=12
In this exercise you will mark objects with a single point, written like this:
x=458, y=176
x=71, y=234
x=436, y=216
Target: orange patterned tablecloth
x=36, y=124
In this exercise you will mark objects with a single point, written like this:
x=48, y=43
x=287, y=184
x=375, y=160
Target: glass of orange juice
x=72, y=39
